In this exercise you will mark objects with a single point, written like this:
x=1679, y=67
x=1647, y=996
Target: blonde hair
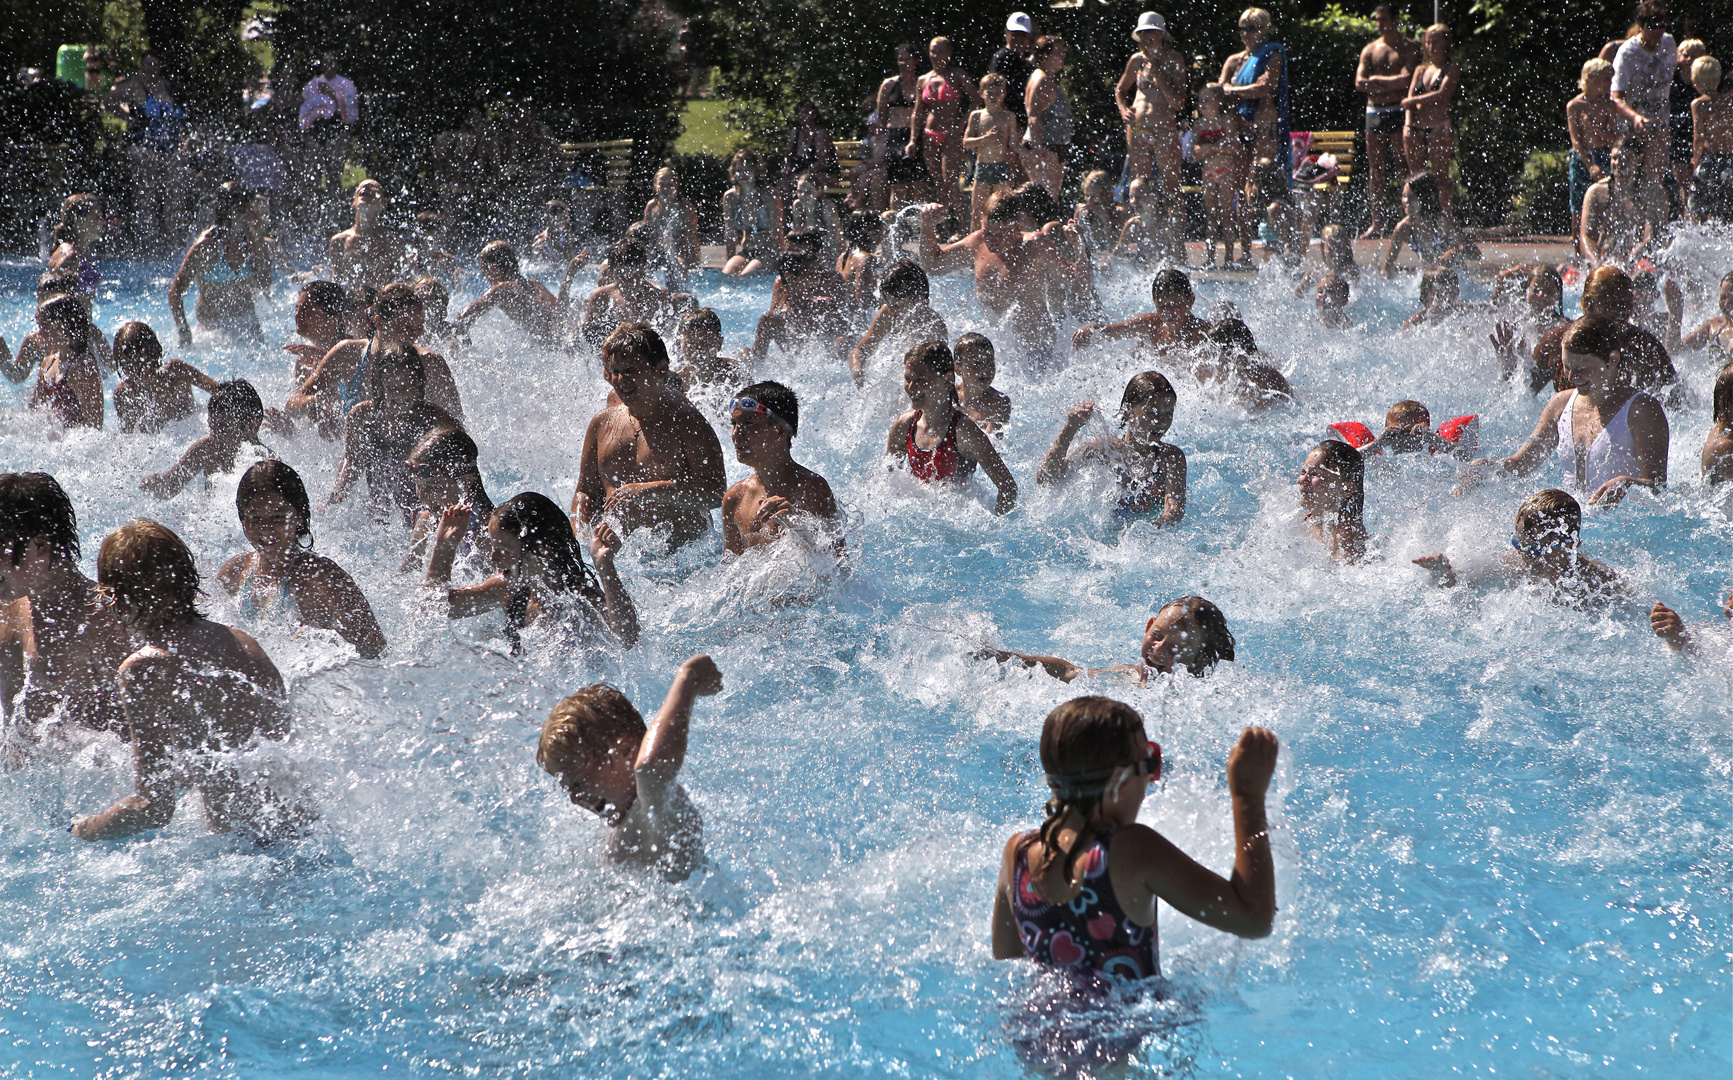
x=1706, y=69
x=992, y=80
x=1594, y=67
x=585, y=727
x=1093, y=177
x=1445, y=30
x=1257, y=16
x=1690, y=46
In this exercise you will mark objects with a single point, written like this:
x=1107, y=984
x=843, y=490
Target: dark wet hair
x=395, y=299
x=1551, y=513
x=1082, y=742
x=796, y=260
x=67, y=312
x=453, y=450
x=34, y=504
x=809, y=237
x=1233, y=333
x=1004, y=207
x=54, y=283
x=327, y=296
x=976, y=343
x=630, y=251
x=545, y=532
x=779, y=399
x=935, y=355
x=863, y=229
x=499, y=255
x=1170, y=282
x=1147, y=386
x=1723, y=395
x=1592, y=337
x=1217, y=642
x=905, y=282
x=235, y=408
x=1350, y=466
x=231, y=199
x=136, y=339
x=1034, y=199
x=637, y=337
x=1423, y=196
x=280, y=478
x=704, y=320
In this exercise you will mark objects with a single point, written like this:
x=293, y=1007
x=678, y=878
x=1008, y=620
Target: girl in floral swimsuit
x=1080, y=892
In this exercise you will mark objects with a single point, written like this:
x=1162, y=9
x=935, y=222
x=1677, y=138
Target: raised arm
x=1243, y=904
x=939, y=258
x=177, y=289
x=469, y=599
x=1056, y=466
x=617, y=606
x=663, y=749
x=478, y=307
x=869, y=341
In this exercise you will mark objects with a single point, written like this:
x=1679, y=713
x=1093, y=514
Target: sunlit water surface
x=1501, y=826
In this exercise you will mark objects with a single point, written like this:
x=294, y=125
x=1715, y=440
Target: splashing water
x=1501, y=827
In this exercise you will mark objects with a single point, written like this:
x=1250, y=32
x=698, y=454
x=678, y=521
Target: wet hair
x=1004, y=207
x=1170, y=282
x=136, y=341
x=1549, y=273
x=68, y=313
x=779, y=399
x=1384, y=9
x=500, y=256
x=57, y=283
x=277, y=477
x=453, y=450
x=630, y=251
x=1406, y=412
x=1592, y=68
x=1423, y=197
x=432, y=294
x=1233, y=333
x=1093, y=178
x=797, y=260
x=144, y=565
x=1722, y=396
x=584, y=727
x=1046, y=46
x=1216, y=641
x=1144, y=387
x=1035, y=200
x=977, y=345
x=545, y=532
x=1550, y=513
x=1590, y=336
x=905, y=282
x=73, y=210
x=327, y=296
x=34, y=504
x=639, y=338
x=1083, y=742
x=1608, y=286
x=864, y=229
x=810, y=238
x=1351, y=467
x=235, y=409
x=909, y=47
x=1653, y=13
x=395, y=299
x=935, y=355
x=231, y=200
x=704, y=321
x=357, y=306
x=994, y=80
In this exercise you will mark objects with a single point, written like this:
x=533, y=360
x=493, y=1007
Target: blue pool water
x=1501, y=827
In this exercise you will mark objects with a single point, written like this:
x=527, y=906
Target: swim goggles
x=1094, y=781
x=753, y=405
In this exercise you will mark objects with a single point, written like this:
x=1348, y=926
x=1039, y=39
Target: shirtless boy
x=1595, y=125
x=525, y=301
x=1171, y=323
x=1386, y=68
x=1621, y=213
x=992, y=134
x=766, y=418
x=904, y=319
x=701, y=362
x=595, y=743
x=367, y=253
x=631, y=297
x=191, y=688
x=54, y=637
x=1711, y=143
x=977, y=365
x=1011, y=268
x=652, y=458
x=339, y=383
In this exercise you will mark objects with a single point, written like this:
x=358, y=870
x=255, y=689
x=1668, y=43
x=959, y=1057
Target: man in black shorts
x=1386, y=67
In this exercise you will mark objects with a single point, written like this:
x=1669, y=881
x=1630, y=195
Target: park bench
x=612, y=157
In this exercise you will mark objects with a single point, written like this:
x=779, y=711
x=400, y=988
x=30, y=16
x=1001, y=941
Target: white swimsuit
x=1613, y=453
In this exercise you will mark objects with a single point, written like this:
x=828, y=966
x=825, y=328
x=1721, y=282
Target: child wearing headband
x=764, y=420
x=1080, y=892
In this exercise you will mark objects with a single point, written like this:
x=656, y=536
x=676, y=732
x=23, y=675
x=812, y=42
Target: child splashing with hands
x=936, y=438
x=1080, y=892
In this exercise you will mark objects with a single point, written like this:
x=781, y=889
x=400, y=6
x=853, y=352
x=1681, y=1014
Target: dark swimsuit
x=1091, y=931
x=942, y=462
x=900, y=169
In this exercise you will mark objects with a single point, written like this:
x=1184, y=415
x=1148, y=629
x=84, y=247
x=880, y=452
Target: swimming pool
x=1501, y=827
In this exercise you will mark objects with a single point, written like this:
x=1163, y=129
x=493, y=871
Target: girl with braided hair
x=1080, y=892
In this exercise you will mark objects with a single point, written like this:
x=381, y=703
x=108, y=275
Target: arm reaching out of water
x=662, y=821
x=973, y=443
x=1669, y=627
x=1056, y=466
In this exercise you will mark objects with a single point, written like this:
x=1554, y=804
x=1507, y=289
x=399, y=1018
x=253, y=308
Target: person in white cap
x=1150, y=95
x=1013, y=62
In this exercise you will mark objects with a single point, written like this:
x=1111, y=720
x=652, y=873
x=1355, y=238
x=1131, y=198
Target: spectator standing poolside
x=1680, y=94
x=943, y=101
x=1642, y=77
x=1426, y=136
x=1047, y=138
x=1595, y=125
x=903, y=173
x=1255, y=81
x=1711, y=144
x=155, y=125
x=1154, y=79
x=1012, y=61
x=1385, y=73
x=330, y=107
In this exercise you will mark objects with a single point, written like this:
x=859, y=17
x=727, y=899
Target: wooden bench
x=1340, y=143
x=849, y=157
x=615, y=155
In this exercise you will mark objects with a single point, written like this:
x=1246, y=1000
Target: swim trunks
x=1384, y=119
x=992, y=172
x=1712, y=195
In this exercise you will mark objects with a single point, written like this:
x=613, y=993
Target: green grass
x=706, y=129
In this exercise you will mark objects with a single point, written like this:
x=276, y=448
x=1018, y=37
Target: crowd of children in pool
x=131, y=651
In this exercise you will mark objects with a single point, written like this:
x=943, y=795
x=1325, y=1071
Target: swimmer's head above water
x=1333, y=481
x=1146, y=408
x=1548, y=526
x=763, y=420
x=1171, y=292
x=146, y=572
x=589, y=743
x=1189, y=633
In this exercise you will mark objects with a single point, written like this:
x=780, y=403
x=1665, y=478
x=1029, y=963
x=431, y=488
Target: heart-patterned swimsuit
x=1091, y=931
